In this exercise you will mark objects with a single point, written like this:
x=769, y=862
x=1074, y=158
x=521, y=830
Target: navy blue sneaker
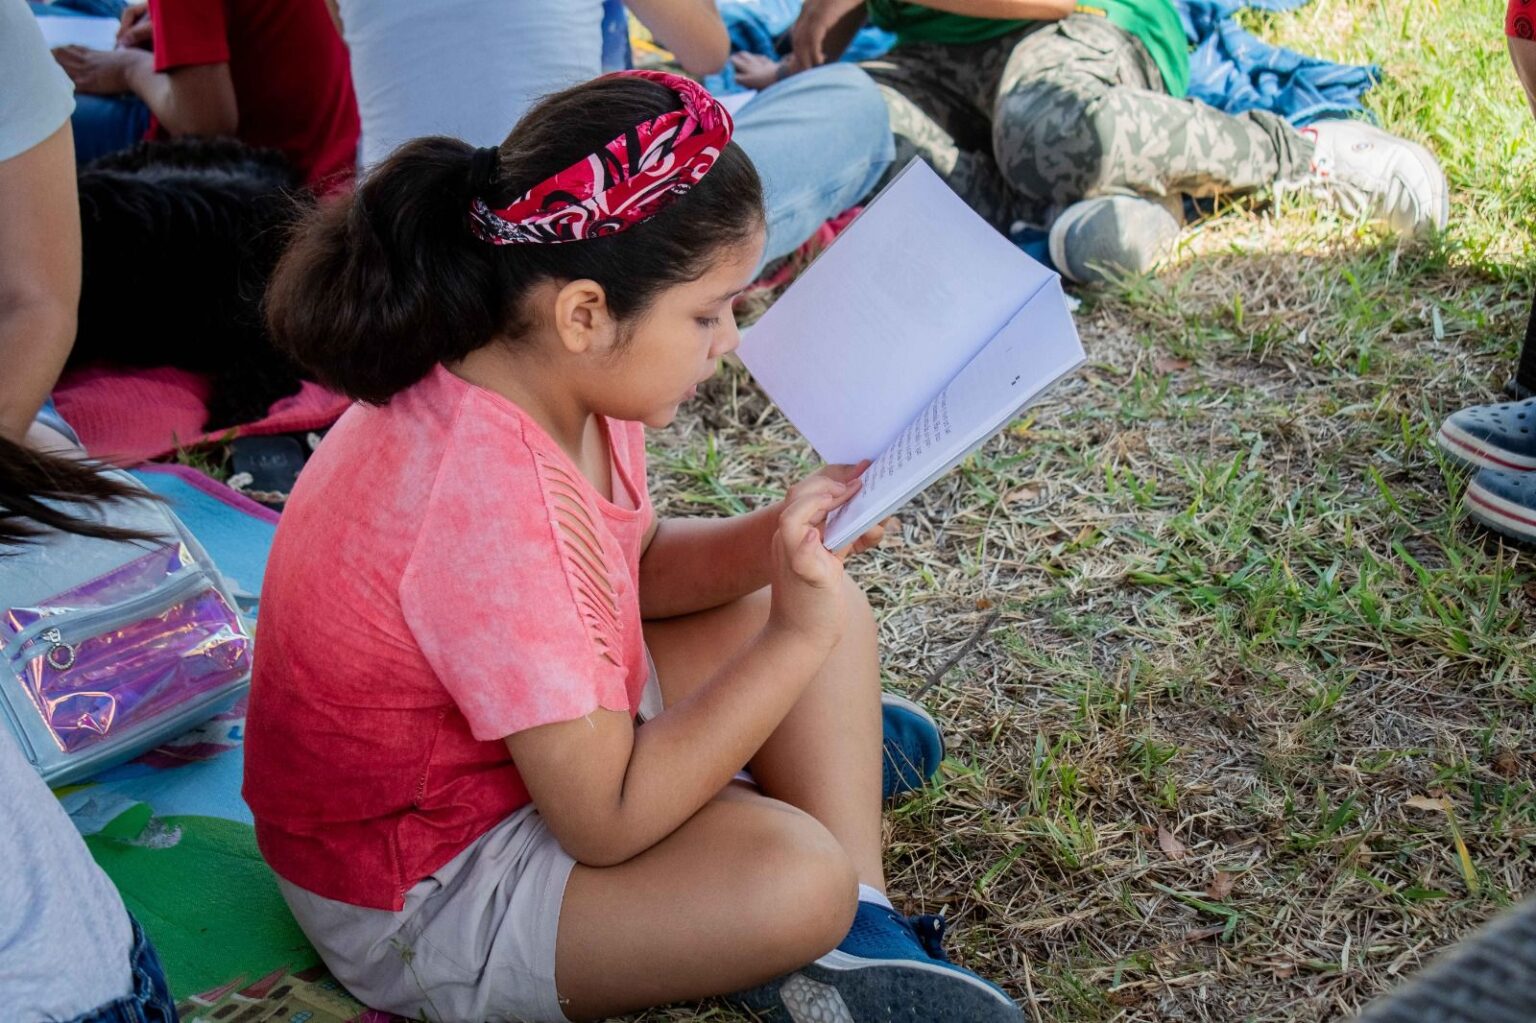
x=913, y=746
x=1500, y=436
x=1505, y=502
x=889, y=968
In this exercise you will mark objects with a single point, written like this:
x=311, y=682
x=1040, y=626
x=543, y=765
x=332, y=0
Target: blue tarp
x=758, y=26
x=1233, y=70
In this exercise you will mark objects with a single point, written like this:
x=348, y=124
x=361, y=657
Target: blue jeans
x=100, y=124
x=820, y=140
x=150, y=1000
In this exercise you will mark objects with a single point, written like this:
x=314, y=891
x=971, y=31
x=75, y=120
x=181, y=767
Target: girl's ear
x=582, y=318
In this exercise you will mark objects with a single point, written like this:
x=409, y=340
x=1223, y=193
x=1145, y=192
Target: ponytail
x=33, y=484
x=378, y=287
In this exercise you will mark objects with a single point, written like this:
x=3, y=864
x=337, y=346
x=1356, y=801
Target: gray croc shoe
x=1109, y=236
x=1499, y=436
x=1505, y=502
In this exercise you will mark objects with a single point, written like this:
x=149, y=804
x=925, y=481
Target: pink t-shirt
x=442, y=577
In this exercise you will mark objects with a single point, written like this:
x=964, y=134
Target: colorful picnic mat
x=170, y=828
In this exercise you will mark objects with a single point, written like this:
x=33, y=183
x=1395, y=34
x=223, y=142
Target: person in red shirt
x=272, y=73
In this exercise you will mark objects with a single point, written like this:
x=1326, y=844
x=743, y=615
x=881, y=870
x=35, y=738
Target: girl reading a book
x=498, y=707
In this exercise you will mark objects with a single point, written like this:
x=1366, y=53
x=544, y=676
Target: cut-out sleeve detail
x=524, y=606
x=586, y=559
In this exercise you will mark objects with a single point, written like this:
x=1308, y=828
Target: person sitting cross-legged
x=1074, y=114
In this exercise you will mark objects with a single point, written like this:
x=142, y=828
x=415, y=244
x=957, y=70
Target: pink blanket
x=127, y=416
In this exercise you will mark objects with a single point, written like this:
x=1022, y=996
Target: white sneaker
x=1375, y=175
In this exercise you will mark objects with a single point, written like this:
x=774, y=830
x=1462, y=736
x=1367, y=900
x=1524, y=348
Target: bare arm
x=691, y=29
x=195, y=100
x=826, y=27
x=39, y=275
x=1032, y=10
x=198, y=99
x=823, y=31
x=693, y=564
x=609, y=790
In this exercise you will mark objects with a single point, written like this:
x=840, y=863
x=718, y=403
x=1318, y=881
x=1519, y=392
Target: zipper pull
x=61, y=656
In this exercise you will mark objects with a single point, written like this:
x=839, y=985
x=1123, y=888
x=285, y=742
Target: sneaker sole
x=1471, y=451
x=840, y=988
x=1500, y=515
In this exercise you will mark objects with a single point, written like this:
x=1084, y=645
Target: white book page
x=92, y=33
x=1034, y=350
x=873, y=330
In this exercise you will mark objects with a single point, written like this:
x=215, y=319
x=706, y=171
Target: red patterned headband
x=625, y=183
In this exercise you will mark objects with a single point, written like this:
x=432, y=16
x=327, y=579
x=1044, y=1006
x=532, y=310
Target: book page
x=66, y=30
x=1034, y=350
x=876, y=327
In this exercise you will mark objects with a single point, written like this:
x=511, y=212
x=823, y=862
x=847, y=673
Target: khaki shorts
x=474, y=941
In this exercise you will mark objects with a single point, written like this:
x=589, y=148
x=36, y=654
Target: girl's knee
x=802, y=889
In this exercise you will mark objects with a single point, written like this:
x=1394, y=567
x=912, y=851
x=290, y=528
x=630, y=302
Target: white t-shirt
x=36, y=96
x=65, y=938
x=465, y=68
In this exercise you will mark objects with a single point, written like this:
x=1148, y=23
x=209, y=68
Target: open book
x=915, y=337
x=67, y=30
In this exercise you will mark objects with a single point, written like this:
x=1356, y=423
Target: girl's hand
x=871, y=537
x=874, y=534
x=806, y=578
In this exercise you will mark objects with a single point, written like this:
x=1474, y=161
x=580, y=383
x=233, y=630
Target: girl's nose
x=729, y=339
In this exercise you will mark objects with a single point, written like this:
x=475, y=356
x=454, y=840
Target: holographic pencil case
x=147, y=645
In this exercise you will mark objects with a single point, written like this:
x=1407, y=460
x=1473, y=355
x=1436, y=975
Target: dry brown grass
x=1251, y=736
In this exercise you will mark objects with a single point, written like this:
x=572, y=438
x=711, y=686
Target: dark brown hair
x=41, y=492
x=378, y=287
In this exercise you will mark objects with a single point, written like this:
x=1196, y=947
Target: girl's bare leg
x=752, y=886
x=748, y=889
x=825, y=757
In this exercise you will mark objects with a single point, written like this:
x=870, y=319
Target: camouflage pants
x=1066, y=110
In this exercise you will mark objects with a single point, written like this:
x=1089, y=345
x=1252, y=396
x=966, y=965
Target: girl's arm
x=610, y=791
x=691, y=29
x=693, y=564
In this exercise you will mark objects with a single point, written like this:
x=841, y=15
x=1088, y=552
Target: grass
x=1251, y=736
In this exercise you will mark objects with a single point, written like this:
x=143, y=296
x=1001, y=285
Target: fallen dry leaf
x=1428, y=803
x=1221, y=885
x=1168, y=364
x=1202, y=933
x=1171, y=846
